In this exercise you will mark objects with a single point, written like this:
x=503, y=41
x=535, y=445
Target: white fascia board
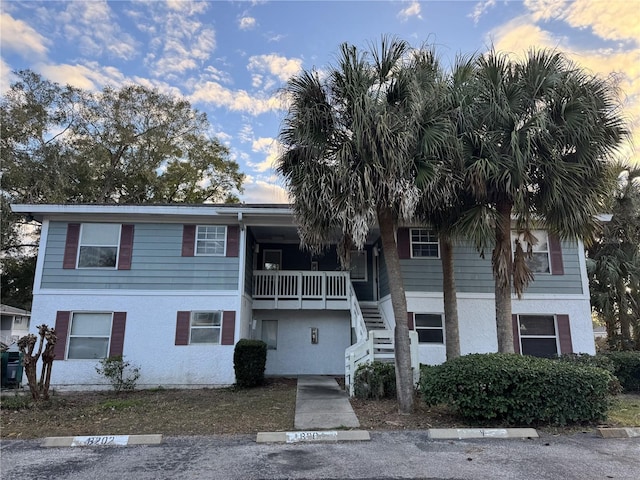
x=240, y=213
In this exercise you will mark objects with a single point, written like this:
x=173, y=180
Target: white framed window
x=89, y=335
x=205, y=327
x=540, y=261
x=211, y=240
x=429, y=327
x=358, y=268
x=424, y=243
x=98, y=246
x=538, y=335
x=272, y=260
x=270, y=334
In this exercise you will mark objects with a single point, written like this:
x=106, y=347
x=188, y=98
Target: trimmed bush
x=518, y=390
x=626, y=368
x=249, y=361
x=599, y=361
x=375, y=381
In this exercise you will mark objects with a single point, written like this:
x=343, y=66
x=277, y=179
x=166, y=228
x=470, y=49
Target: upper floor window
x=211, y=240
x=539, y=262
x=358, y=270
x=424, y=243
x=98, y=246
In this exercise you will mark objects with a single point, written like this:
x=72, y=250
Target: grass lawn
x=222, y=411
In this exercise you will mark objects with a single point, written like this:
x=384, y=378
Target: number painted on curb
x=100, y=441
x=295, y=437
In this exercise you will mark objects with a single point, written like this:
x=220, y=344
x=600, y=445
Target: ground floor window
x=205, y=327
x=538, y=335
x=270, y=334
x=429, y=327
x=89, y=335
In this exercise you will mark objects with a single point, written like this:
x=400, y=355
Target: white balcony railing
x=295, y=289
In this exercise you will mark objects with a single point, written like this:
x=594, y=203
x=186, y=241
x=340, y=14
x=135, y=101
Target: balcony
x=298, y=290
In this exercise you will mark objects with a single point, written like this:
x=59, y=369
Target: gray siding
x=156, y=264
x=473, y=274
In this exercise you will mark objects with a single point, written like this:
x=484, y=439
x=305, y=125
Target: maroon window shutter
x=404, y=245
x=233, y=240
x=564, y=332
x=555, y=252
x=188, y=240
x=228, y=328
x=117, y=333
x=62, y=332
x=126, y=247
x=410, y=322
x=182, y=328
x=71, y=246
x=516, y=334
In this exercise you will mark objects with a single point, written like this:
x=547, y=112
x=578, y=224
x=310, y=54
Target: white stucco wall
x=149, y=341
x=476, y=317
x=295, y=354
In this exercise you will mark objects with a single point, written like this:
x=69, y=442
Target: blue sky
x=230, y=58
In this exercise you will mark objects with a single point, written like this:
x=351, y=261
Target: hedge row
x=518, y=390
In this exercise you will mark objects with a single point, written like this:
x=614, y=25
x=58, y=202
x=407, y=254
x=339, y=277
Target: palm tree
x=441, y=181
x=613, y=264
x=539, y=136
x=350, y=137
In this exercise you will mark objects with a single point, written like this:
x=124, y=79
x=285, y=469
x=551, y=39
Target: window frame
x=515, y=235
x=412, y=243
x=264, y=259
x=556, y=335
x=362, y=253
x=70, y=335
x=213, y=327
x=418, y=328
x=80, y=245
x=197, y=240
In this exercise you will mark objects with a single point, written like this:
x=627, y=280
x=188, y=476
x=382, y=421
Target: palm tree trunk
x=404, y=375
x=623, y=311
x=451, y=328
x=502, y=270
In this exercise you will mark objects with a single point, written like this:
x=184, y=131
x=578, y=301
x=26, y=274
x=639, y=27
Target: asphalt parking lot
x=397, y=455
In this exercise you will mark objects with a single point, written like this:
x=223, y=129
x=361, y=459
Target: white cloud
x=6, y=77
x=91, y=76
x=21, y=38
x=178, y=41
x=246, y=133
x=282, y=67
x=262, y=192
x=623, y=60
x=412, y=10
x=92, y=26
x=235, y=100
x=247, y=23
x=269, y=146
x=481, y=8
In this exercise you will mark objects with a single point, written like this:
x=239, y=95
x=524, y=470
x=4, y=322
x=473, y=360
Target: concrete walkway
x=322, y=404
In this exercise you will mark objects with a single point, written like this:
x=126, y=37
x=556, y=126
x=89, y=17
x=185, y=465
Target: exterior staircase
x=384, y=350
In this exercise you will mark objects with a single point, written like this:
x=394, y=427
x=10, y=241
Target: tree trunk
x=451, y=328
x=626, y=341
x=404, y=374
x=502, y=272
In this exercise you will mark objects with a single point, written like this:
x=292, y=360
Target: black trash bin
x=11, y=369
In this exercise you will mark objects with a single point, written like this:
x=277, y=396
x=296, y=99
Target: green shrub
x=518, y=390
x=249, y=361
x=120, y=373
x=375, y=380
x=15, y=402
x=599, y=361
x=627, y=369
